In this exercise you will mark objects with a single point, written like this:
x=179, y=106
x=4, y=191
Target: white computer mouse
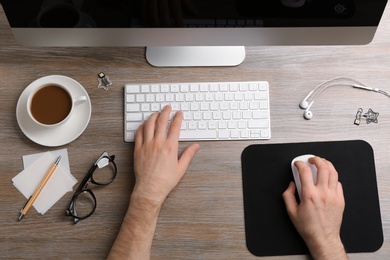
x=295, y=172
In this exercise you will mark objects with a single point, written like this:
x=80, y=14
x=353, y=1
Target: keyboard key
x=199, y=135
x=132, y=89
x=244, y=133
x=130, y=98
x=145, y=88
x=264, y=133
x=132, y=126
x=129, y=136
x=155, y=89
x=223, y=134
x=260, y=123
x=155, y=107
x=134, y=117
x=165, y=88
x=132, y=107
x=260, y=114
x=175, y=88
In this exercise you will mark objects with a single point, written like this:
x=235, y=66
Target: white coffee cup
x=52, y=104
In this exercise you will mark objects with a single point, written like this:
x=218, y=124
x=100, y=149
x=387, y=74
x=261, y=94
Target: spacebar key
x=197, y=134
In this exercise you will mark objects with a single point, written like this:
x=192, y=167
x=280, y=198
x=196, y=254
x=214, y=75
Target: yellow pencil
x=36, y=193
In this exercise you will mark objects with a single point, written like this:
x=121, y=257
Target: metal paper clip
x=358, y=116
x=372, y=117
x=104, y=81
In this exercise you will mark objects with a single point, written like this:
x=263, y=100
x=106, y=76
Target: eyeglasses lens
x=84, y=204
x=105, y=172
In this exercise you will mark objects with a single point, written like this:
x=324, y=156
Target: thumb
x=187, y=156
x=289, y=200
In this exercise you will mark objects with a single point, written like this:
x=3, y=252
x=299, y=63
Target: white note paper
x=29, y=159
x=60, y=182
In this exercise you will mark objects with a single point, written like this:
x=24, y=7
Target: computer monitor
x=193, y=32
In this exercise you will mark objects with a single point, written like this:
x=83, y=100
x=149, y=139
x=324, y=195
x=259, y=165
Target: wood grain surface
x=203, y=218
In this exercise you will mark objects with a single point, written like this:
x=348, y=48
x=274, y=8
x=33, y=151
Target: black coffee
x=51, y=104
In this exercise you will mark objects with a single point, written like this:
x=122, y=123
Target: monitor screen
x=167, y=24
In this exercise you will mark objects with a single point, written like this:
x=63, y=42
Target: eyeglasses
x=83, y=202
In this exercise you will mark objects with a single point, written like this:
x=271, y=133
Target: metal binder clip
x=104, y=81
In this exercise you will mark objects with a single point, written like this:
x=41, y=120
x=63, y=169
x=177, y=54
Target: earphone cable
x=360, y=85
x=305, y=104
x=329, y=86
x=330, y=81
x=384, y=93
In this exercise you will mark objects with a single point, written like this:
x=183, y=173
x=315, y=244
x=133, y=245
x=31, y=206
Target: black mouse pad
x=266, y=173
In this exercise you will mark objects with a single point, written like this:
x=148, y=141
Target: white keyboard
x=211, y=110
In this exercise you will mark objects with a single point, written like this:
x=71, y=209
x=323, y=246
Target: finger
x=305, y=175
x=139, y=137
x=340, y=190
x=290, y=201
x=187, y=155
x=149, y=127
x=174, y=130
x=322, y=171
x=333, y=175
x=162, y=122
x=340, y=194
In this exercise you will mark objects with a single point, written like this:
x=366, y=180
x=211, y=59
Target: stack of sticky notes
x=35, y=168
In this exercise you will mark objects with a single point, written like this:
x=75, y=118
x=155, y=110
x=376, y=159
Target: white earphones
x=304, y=104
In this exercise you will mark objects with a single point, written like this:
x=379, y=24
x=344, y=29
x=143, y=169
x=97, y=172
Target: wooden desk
x=203, y=218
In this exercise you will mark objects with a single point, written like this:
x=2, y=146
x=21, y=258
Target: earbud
x=307, y=114
x=304, y=104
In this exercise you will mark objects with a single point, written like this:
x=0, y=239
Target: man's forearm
x=325, y=251
x=135, y=237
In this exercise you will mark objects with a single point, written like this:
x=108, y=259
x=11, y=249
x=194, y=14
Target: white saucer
x=60, y=135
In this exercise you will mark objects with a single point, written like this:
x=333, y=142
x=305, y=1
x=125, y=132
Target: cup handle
x=79, y=100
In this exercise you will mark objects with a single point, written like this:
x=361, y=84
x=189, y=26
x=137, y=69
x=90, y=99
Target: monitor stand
x=195, y=56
